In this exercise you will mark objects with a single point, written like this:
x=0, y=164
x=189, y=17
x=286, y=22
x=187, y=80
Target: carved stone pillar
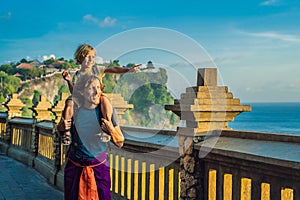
x=205, y=108
x=119, y=104
x=43, y=109
x=59, y=107
x=14, y=106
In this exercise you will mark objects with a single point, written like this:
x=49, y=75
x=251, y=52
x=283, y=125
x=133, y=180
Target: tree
x=143, y=98
x=130, y=65
x=6, y=68
x=65, y=65
x=9, y=84
x=114, y=63
x=36, y=97
x=2, y=99
x=62, y=89
x=23, y=60
x=49, y=61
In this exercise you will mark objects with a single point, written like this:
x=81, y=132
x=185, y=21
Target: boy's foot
x=104, y=137
x=66, y=138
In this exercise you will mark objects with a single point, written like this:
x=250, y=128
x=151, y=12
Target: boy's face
x=92, y=93
x=89, y=60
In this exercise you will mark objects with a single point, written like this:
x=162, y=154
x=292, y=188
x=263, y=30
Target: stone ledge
x=47, y=169
x=279, y=137
x=21, y=155
x=276, y=153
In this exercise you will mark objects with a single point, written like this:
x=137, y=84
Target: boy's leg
x=67, y=114
x=106, y=108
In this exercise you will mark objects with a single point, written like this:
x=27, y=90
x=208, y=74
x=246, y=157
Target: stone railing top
x=145, y=149
x=45, y=125
x=150, y=137
x=149, y=130
x=252, y=147
x=275, y=137
x=3, y=115
x=285, y=155
x=21, y=120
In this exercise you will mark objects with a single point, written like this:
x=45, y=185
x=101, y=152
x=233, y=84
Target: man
x=87, y=174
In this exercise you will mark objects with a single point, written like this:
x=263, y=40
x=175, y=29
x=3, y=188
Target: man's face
x=89, y=60
x=92, y=93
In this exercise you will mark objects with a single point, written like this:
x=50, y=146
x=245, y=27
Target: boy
x=85, y=56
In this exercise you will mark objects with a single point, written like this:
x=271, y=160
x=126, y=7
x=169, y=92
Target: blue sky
x=255, y=44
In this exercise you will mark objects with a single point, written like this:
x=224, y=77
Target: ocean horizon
x=269, y=117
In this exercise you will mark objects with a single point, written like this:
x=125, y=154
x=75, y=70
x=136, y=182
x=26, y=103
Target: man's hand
x=115, y=132
x=107, y=126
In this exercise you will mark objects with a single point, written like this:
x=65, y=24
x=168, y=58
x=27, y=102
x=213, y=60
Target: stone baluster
x=205, y=108
x=119, y=104
x=43, y=109
x=59, y=107
x=14, y=106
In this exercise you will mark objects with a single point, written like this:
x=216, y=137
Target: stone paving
x=20, y=182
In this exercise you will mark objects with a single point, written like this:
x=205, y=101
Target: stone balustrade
x=205, y=160
x=119, y=104
x=44, y=110
x=205, y=108
x=14, y=106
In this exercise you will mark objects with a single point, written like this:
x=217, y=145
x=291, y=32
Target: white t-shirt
x=89, y=130
x=97, y=70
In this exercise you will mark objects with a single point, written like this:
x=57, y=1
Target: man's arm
x=114, y=132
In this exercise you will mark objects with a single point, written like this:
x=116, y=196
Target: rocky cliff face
x=48, y=87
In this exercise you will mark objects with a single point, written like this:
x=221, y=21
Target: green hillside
x=147, y=91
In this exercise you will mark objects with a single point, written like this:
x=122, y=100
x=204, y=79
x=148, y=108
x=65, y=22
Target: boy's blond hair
x=82, y=51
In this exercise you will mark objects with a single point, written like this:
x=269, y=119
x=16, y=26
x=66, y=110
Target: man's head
x=87, y=91
x=85, y=55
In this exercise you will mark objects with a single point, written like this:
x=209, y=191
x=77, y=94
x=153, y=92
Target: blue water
x=269, y=117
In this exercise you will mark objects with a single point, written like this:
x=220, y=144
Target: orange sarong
x=87, y=184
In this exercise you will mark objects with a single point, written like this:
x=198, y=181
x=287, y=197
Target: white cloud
x=89, y=17
x=268, y=2
x=275, y=35
x=45, y=57
x=106, y=22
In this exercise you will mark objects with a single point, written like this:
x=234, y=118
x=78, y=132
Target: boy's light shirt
x=97, y=70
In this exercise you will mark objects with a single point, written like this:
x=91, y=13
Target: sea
x=269, y=117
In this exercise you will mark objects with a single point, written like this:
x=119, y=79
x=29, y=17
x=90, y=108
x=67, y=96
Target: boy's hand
x=66, y=76
x=135, y=68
